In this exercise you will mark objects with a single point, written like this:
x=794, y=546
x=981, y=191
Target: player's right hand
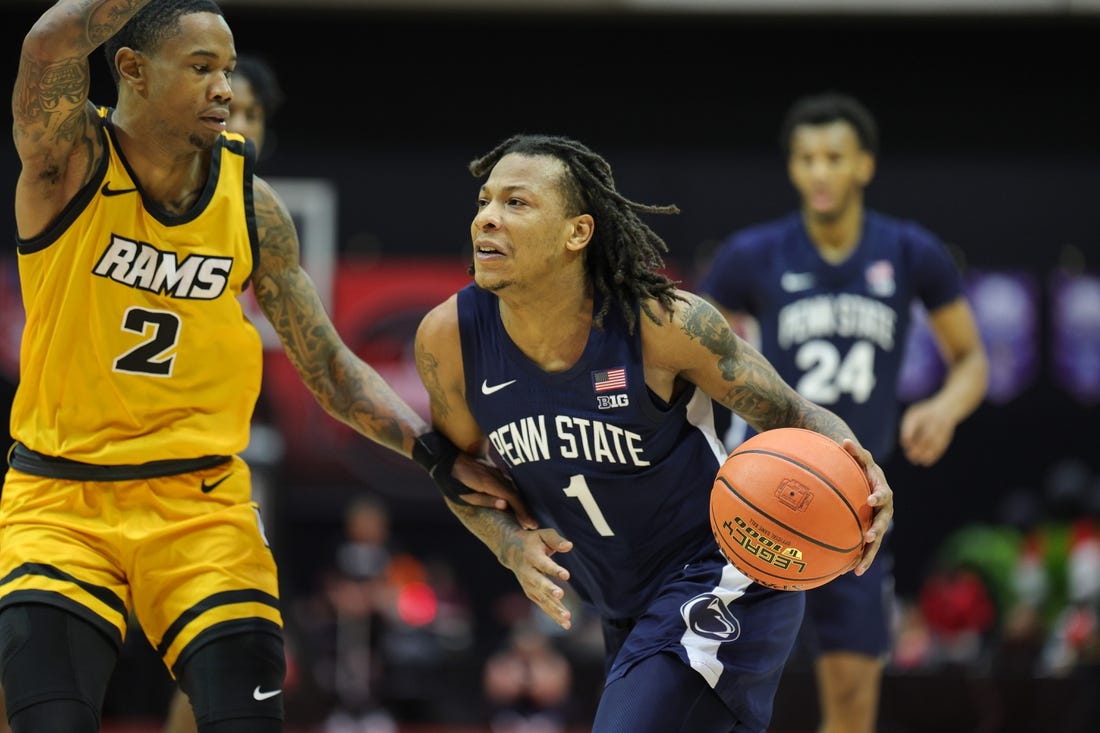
x=539, y=575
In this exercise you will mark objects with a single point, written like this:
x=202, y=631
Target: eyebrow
x=511, y=188
x=208, y=54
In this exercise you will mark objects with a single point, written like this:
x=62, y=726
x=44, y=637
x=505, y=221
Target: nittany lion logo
x=709, y=616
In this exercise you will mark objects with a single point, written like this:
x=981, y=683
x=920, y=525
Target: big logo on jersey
x=143, y=266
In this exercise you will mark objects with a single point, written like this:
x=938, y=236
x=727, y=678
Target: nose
x=820, y=168
x=486, y=217
x=220, y=89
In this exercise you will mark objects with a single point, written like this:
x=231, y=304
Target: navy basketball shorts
x=852, y=613
x=734, y=633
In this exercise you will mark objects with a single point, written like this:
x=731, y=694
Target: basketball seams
x=788, y=467
x=779, y=523
x=825, y=480
x=754, y=571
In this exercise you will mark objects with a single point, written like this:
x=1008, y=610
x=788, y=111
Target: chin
x=202, y=143
x=830, y=214
x=490, y=283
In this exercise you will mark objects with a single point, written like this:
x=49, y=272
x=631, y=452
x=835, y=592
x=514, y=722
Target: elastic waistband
x=22, y=458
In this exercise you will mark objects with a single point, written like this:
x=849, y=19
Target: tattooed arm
x=708, y=353
x=346, y=387
x=526, y=553
x=54, y=123
x=698, y=346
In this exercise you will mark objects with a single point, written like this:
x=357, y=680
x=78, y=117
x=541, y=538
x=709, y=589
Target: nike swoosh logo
x=794, y=282
x=207, y=488
x=259, y=694
x=486, y=389
x=108, y=191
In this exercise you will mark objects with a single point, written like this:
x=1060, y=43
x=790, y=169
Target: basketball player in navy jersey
x=590, y=376
x=829, y=289
x=138, y=228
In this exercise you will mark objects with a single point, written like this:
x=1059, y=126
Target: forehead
x=205, y=34
x=838, y=134
x=537, y=173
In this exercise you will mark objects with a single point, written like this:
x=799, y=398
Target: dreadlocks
x=625, y=256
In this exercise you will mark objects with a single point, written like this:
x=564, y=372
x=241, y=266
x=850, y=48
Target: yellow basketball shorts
x=185, y=554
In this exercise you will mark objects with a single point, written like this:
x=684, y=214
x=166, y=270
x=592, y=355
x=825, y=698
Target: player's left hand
x=490, y=488
x=926, y=431
x=881, y=498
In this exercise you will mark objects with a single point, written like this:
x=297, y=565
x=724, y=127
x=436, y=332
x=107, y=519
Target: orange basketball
x=789, y=509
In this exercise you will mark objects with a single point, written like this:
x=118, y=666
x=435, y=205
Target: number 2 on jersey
x=153, y=355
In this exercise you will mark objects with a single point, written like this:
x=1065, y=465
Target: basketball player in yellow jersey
x=138, y=227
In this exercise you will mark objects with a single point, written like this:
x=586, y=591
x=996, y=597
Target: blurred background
x=989, y=114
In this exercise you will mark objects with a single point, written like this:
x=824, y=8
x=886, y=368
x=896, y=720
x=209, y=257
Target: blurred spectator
x=380, y=629
x=958, y=609
x=342, y=624
x=528, y=684
x=1075, y=631
x=987, y=579
x=913, y=642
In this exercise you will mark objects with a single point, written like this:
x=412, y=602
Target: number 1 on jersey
x=578, y=489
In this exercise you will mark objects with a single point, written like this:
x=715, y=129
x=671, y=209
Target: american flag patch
x=607, y=380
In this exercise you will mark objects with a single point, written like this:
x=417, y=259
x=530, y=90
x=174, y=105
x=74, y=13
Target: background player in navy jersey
x=590, y=376
x=829, y=288
x=138, y=228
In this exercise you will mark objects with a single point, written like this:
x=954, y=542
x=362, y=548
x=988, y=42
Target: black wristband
x=437, y=455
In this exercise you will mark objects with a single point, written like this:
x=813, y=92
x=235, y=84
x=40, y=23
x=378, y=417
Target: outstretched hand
x=538, y=574
x=490, y=488
x=881, y=499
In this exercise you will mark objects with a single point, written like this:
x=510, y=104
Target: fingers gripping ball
x=789, y=509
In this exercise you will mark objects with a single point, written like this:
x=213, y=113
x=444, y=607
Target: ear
x=865, y=168
x=584, y=226
x=131, y=68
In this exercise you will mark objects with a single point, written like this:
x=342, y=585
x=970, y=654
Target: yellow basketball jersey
x=136, y=347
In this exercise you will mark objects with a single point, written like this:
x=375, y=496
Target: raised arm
x=54, y=125
x=526, y=553
x=699, y=346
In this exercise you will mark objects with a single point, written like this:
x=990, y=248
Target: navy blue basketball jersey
x=837, y=332
x=595, y=454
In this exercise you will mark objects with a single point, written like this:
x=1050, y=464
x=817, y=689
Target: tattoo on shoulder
x=428, y=365
x=48, y=91
x=278, y=236
x=703, y=323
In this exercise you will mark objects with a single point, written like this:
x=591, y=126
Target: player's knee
x=56, y=716
x=55, y=668
x=236, y=678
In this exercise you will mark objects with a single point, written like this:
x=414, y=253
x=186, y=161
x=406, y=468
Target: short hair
x=827, y=107
x=264, y=82
x=624, y=258
x=151, y=25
